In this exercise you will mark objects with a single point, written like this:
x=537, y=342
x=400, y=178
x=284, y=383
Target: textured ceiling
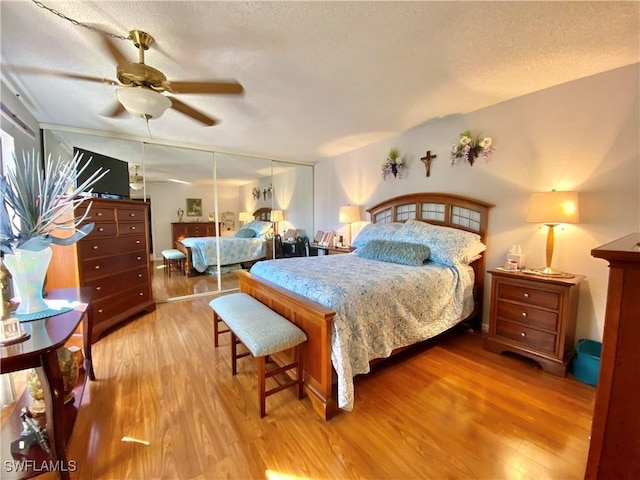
x=321, y=78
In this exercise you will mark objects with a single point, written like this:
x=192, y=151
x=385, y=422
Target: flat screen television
x=115, y=184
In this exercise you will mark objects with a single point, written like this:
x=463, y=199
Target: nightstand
x=534, y=316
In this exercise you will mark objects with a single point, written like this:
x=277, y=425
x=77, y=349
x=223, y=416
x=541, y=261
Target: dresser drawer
x=105, y=286
x=132, y=228
x=130, y=214
x=100, y=247
x=106, y=308
x=97, y=213
x=532, y=296
x=524, y=335
x=532, y=317
x=105, y=266
x=103, y=230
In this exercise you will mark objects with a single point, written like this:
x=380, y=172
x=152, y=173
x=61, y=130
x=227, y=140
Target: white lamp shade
x=277, y=215
x=553, y=207
x=244, y=216
x=137, y=185
x=143, y=102
x=349, y=214
x=136, y=182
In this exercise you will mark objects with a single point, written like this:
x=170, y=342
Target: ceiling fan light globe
x=136, y=186
x=143, y=102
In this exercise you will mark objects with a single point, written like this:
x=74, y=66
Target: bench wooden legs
x=292, y=382
x=263, y=374
x=216, y=328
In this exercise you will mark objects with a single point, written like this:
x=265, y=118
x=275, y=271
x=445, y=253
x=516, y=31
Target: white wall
x=580, y=136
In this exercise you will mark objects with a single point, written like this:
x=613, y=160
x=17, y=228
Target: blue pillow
x=245, y=233
x=403, y=253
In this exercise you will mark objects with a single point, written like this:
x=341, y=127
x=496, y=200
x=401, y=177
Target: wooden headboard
x=263, y=214
x=447, y=210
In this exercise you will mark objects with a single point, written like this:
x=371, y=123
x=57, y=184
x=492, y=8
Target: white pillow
x=448, y=245
x=377, y=231
x=261, y=227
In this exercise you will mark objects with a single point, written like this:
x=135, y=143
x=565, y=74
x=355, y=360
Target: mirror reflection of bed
x=200, y=272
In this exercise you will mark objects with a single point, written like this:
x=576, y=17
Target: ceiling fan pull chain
x=77, y=23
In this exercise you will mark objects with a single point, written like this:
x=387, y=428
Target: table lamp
x=348, y=215
x=276, y=216
x=244, y=217
x=552, y=208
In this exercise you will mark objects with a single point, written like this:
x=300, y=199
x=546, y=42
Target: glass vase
x=29, y=269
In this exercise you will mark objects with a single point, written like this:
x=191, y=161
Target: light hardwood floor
x=167, y=287
x=448, y=409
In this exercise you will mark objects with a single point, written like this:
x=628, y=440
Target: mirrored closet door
x=196, y=193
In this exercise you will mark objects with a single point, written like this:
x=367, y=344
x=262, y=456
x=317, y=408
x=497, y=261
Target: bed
x=202, y=252
x=345, y=335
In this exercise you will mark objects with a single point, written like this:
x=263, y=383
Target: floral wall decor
x=393, y=165
x=470, y=147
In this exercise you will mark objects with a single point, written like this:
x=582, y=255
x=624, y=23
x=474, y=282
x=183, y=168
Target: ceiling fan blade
x=192, y=112
x=117, y=110
x=57, y=73
x=222, y=88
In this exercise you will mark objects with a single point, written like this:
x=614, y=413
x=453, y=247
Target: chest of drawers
x=180, y=230
x=113, y=260
x=535, y=317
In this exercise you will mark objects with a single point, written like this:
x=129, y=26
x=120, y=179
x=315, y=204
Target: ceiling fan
x=141, y=86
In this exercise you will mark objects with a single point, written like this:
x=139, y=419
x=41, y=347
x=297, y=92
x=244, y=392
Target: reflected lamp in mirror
x=143, y=102
x=348, y=215
x=136, y=182
x=553, y=208
x=276, y=216
x=244, y=217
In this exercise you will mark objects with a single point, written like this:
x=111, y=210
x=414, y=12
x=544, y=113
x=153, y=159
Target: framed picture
x=194, y=207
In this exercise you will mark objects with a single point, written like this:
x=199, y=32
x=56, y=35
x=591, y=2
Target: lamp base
x=547, y=272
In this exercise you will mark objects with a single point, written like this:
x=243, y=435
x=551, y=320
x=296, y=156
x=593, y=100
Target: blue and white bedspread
x=379, y=306
x=204, y=250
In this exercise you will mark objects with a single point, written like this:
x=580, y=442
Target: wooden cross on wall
x=427, y=162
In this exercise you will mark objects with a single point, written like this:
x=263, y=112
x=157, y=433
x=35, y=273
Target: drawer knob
x=97, y=267
x=133, y=228
x=139, y=275
x=99, y=214
x=523, y=334
x=99, y=310
x=137, y=242
x=524, y=314
x=101, y=229
x=139, y=258
x=98, y=288
x=141, y=294
x=132, y=214
x=526, y=295
x=95, y=247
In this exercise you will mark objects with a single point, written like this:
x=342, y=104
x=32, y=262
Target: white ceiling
x=321, y=78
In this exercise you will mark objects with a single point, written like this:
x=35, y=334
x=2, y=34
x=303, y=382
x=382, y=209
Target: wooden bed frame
x=263, y=214
x=316, y=320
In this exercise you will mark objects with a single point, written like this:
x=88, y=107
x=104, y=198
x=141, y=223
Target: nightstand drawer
x=532, y=317
x=527, y=336
x=532, y=296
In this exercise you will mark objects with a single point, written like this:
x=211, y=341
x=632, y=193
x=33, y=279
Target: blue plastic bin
x=586, y=364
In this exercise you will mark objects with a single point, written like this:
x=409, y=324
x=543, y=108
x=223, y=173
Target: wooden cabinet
x=180, y=230
x=113, y=260
x=615, y=437
x=535, y=317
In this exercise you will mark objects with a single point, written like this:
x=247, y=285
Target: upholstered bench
x=173, y=259
x=263, y=332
